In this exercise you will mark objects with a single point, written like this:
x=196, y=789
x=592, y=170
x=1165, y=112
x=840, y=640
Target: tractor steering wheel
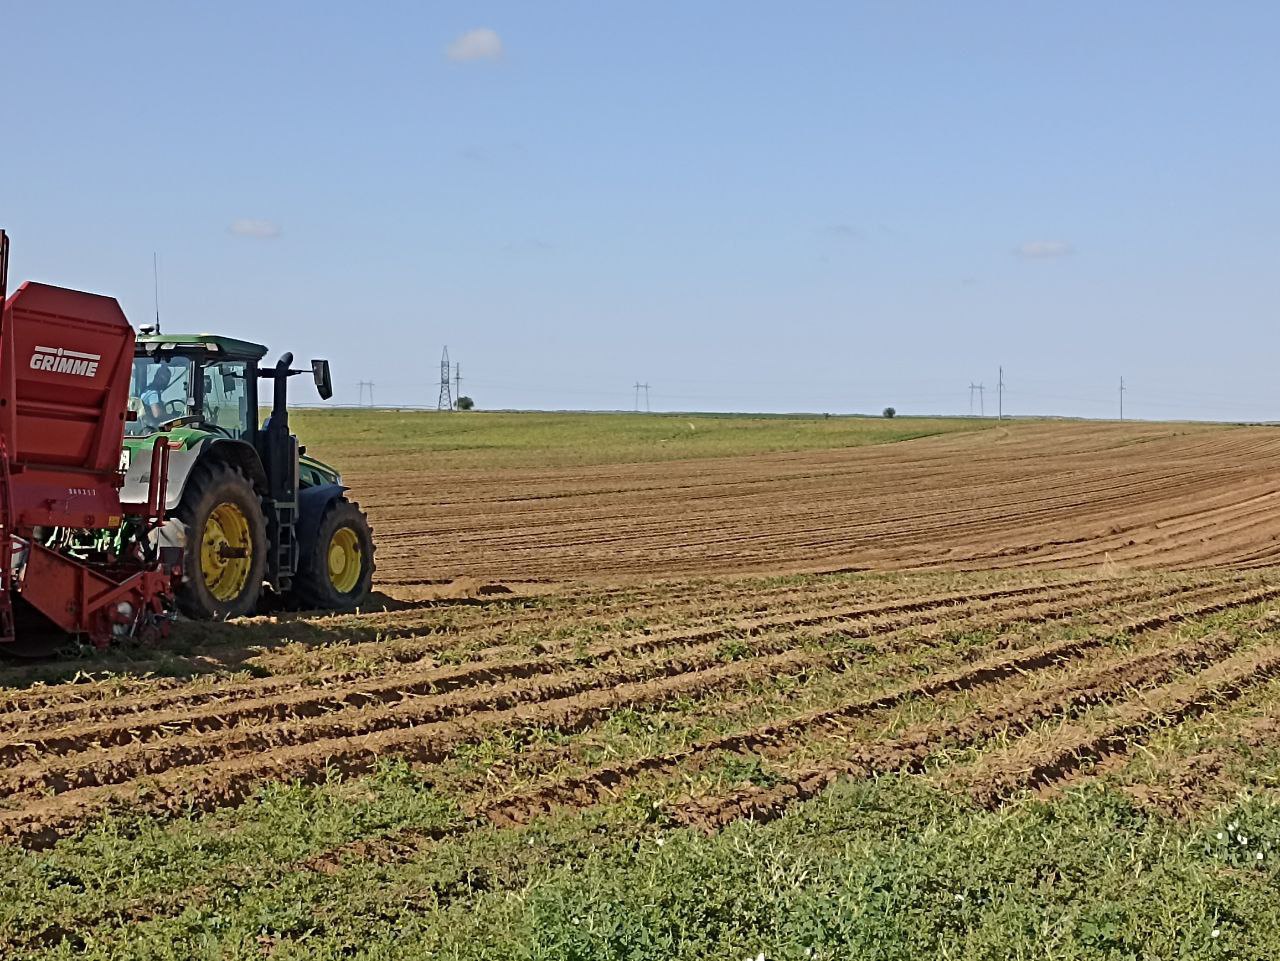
x=186, y=419
x=173, y=410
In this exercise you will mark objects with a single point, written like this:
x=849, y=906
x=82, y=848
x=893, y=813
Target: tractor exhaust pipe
x=280, y=395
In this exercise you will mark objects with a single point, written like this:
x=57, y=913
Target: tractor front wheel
x=225, y=559
x=336, y=572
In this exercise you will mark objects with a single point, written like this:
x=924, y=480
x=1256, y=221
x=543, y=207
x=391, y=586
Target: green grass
x=369, y=439
x=888, y=869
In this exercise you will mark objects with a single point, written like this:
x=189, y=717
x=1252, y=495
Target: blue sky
x=751, y=206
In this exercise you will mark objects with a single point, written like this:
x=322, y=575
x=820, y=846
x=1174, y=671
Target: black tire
x=212, y=485
x=313, y=585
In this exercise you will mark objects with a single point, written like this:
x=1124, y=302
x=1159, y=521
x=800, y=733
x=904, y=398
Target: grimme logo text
x=59, y=360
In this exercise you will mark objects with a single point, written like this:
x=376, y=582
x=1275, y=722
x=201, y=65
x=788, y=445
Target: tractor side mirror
x=324, y=381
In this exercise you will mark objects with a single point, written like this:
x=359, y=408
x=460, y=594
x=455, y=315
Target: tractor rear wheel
x=336, y=574
x=225, y=559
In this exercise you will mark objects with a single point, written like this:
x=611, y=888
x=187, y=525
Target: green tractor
x=250, y=509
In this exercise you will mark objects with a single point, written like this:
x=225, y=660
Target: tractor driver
x=153, y=412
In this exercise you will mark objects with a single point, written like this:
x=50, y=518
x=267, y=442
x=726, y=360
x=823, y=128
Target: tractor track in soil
x=200, y=774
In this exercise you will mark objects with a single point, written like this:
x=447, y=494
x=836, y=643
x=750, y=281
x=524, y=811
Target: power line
x=362, y=384
x=457, y=382
x=981, y=398
x=1122, y=396
x=1000, y=394
x=642, y=387
x=445, y=400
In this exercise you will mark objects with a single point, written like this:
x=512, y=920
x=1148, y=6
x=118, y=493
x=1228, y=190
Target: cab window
x=226, y=398
x=159, y=390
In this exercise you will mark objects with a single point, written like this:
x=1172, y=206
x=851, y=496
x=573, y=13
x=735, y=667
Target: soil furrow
x=141, y=721
x=202, y=776
x=1080, y=744
x=780, y=738
x=264, y=686
x=398, y=705
x=765, y=803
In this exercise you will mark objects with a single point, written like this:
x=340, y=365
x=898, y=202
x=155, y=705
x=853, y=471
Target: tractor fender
x=312, y=503
x=237, y=453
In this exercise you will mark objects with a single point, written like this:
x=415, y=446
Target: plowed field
x=1018, y=495
x=1029, y=707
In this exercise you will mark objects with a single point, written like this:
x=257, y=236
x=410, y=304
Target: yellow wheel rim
x=226, y=552
x=344, y=560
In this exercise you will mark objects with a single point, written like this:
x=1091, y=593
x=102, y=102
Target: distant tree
x=890, y=412
x=465, y=403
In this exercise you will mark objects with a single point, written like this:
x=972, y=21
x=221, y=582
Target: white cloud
x=842, y=231
x=479, y=44
x=1044, y=249
x=250, y=227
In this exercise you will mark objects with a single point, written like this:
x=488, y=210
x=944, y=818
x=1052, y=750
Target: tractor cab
x=204, y=382
x=196, y=387
x=201, y=381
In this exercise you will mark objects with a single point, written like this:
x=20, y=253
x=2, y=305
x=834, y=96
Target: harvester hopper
x=70, y=551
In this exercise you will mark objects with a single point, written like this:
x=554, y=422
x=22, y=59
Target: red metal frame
x=6, y=502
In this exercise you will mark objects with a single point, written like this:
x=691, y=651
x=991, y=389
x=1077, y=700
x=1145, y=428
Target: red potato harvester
x=70, y=551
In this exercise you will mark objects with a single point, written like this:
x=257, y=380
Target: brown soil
x=1062, y=495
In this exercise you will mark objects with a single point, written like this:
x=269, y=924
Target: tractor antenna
x=155, y=276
